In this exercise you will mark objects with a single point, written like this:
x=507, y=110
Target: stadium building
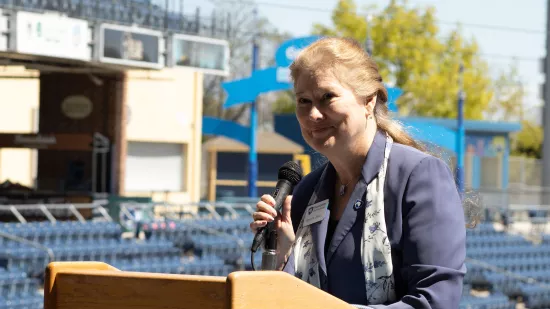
x=92, y=107
x=103, y=98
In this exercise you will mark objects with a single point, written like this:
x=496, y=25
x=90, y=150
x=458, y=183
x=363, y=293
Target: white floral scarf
x=376, y=249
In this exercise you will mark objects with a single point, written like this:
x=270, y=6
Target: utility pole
x=368, y=42
x=252, y=153
x=460, y=132
x=546, y=116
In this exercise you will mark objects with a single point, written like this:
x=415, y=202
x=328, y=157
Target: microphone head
x=292, y=172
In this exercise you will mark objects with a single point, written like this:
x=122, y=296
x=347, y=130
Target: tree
x=508, y=99
x=285, y=103
x=411, y=55
x=239, y=34
x=507, y=104
x=528, y=141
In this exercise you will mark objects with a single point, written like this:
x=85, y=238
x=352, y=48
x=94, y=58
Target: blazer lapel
x=319, y=233
x=322, y=192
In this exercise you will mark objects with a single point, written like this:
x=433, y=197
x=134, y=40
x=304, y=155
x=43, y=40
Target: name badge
x=315, y=213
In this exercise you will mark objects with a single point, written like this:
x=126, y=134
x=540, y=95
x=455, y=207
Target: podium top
x=94, y=285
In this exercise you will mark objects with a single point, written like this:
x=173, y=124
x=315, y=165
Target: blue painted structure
x=469, y=125
x=233, y=130
x=482, y=139
x=245, y=90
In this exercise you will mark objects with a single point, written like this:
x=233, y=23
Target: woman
x=393, y=231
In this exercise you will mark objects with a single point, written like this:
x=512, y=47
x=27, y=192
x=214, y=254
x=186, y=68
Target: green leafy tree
x=528, y=141
x=411, y=54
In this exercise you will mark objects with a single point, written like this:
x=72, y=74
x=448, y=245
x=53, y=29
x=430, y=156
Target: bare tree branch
x=243, y=27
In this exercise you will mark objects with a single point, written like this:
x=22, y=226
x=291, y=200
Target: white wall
x=19, y=102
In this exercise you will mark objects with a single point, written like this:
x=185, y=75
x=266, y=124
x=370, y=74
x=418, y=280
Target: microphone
x=289, y=176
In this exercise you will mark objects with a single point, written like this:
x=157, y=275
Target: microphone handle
x=283, y=189
x=269, y=260
x=269, y=257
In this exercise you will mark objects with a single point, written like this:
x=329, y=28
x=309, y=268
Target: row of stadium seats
x=496, y=240
x=521, y=267
x=509, y=252
x=62, y=232
x=521, y=264
x=483, y=228
x=26, y=301
x=100, y=241
x=536, y=296
x=219, y=254
x=17, y=291
x=207, y=265
x=189, y=228
x=494, y=301
x=22, y=255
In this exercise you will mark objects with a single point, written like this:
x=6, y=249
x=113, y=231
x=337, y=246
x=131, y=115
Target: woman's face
x=329, y=113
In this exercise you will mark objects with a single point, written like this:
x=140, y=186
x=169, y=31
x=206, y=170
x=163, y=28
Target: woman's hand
x=265, y=212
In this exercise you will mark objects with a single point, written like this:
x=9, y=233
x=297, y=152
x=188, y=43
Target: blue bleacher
x=216, y=251
x=494, y=301
x=19, y=291
x=22, y=266
x=513, y=256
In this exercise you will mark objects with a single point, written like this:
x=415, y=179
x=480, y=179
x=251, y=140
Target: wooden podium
x=96, y=285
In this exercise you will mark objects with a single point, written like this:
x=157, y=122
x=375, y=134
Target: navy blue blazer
x=425, y=225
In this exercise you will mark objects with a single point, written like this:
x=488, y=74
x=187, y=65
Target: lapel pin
x=358, y=204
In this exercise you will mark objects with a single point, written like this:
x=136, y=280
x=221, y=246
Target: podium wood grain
x=95, y=285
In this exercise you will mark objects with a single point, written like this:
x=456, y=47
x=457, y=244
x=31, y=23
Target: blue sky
x=496, y=45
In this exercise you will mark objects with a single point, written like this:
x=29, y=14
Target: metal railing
x=167, y=16
x=51, y=211
x=27, y=242
x=192, y=210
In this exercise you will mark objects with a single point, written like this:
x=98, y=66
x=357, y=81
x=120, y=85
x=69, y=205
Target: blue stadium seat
x=493, y=301
x=215, y=255
x=536, y=296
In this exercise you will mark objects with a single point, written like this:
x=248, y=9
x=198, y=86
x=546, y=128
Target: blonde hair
x=354, y=68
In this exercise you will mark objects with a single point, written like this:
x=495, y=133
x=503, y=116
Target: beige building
x=163, y=131
x=19, y=90
x=164, y=134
